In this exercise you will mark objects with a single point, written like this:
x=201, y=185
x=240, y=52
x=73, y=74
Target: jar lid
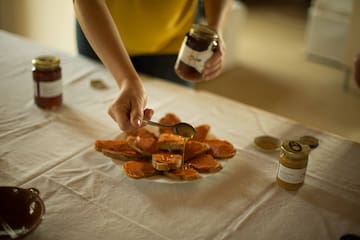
x=46, y=62
x=311, y=141
x=267, y=143
x=203, y=31
x=295, y=150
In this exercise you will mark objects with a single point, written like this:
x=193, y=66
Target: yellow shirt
x=152, y=26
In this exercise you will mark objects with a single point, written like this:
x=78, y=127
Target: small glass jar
x=292, y=165
x=47, y=82
x=198, y=46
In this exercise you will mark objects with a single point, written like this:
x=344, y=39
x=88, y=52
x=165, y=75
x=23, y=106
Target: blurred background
x=290, y=57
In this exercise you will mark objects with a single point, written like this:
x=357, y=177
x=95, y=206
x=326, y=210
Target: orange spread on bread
x=220, y=148
x=143, y=153
x=139, y=169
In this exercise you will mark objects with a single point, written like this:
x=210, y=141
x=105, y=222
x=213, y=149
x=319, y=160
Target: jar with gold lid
x=292, y=164
x=198, y=46
x=47, y=81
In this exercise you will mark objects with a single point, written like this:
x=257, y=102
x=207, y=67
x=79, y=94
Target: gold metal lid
x=98, y=84
x=203, y=31
x=267, y=143
x=295, y=150
x=311, y=141
x=46, y=62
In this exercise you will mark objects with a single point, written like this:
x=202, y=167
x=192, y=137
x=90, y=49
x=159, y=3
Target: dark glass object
x=198, y=46
x=47, y=82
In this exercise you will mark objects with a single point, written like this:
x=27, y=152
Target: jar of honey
x=198, y=46
x=47, y=82
x=292, y=164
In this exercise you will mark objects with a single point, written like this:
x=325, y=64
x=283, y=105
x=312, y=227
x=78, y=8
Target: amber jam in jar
x=47, y=82
x=292, y=165
x=198, y=46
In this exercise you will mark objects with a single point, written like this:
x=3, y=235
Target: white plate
x=165, y=179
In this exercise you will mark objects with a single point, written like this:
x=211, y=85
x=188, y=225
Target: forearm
x=101, y=32
x=215, y=13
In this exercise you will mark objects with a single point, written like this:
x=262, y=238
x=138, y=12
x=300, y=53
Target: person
x=124, y=31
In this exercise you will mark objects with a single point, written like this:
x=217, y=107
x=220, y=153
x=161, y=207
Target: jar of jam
x=292, y=165
x=47, y=82
x=198, y=46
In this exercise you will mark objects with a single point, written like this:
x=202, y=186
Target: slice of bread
x=170, y=142
x=141, y=132
x=185, y=174
x=166, y=161
x=220, y=148
x=144, y=145
x=168, y=119
x=123, y=156
x=139, y=169
x=202, y=132
x=194, y=148
x=117, y=149
x=205, y=163
x=112, y=145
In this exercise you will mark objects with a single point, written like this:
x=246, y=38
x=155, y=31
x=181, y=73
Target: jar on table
x=198, y=46
x=47, y=82
x=292, y=164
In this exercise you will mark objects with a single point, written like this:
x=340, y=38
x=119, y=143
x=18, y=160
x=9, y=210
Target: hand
x=215, y=64
x=128, y=109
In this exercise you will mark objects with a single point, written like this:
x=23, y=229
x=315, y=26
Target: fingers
x=127, y=110
x=212, y=73
x=119, y=115
x=148, y=113
x=213, y=66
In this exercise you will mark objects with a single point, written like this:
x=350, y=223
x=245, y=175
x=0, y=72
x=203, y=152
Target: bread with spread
x=143, y=153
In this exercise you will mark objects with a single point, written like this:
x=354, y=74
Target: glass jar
x=292, y=165
x=47, y=82
x=198, y=46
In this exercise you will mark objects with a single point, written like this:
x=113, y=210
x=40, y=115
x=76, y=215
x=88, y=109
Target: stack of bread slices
x=142, y=153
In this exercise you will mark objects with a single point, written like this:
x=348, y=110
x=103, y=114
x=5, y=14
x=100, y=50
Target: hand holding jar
x=201, y=56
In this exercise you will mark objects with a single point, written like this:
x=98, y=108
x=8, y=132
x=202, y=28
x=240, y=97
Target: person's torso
x=152, y=26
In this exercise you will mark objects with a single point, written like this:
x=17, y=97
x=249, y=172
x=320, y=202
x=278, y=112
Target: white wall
x=50, y=22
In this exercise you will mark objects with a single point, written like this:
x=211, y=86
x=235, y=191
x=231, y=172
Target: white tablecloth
x=88, y=197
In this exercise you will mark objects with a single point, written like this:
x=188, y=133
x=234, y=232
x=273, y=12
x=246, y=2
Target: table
x=88, y=197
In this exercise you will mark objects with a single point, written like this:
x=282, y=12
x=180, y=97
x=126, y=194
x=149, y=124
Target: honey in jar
x=292, y=164
x=47, y=82
x=198, y=46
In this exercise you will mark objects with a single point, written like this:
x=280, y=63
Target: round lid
x=203, y=31
x=294, y=149
x=311, y=141
x=267, y=143
x=46, y=62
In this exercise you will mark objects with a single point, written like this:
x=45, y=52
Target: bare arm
x=100, y=30
x=216, y=12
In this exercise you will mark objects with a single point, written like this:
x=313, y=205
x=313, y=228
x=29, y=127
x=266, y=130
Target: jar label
x=195, y=58
x=48, y=89
x=291, y=175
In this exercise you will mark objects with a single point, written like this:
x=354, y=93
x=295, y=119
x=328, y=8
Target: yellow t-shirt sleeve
x=152, y=26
